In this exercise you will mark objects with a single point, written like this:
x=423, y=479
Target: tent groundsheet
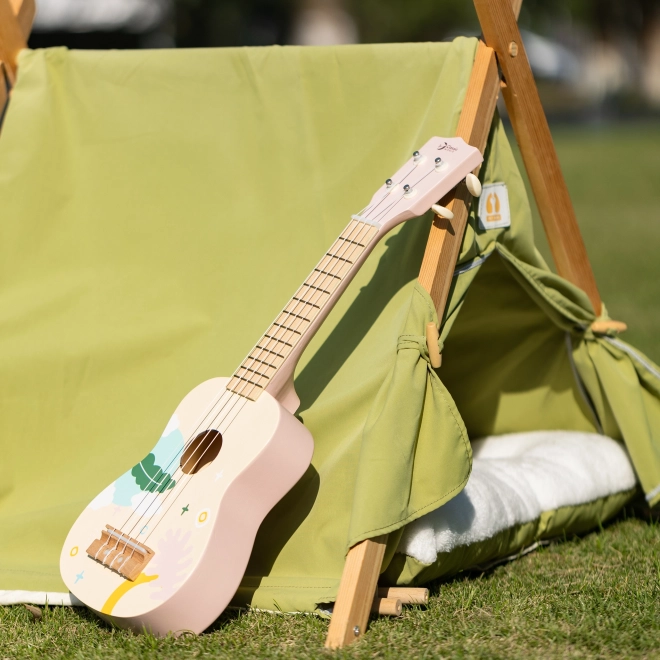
x=159, y=209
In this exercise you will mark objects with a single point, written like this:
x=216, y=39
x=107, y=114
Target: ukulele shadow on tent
x=398, y=265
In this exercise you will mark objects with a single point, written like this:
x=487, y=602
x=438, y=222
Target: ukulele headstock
x=432, y=171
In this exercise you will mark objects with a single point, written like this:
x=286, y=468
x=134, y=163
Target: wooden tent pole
x=16, y=18
x=530, y=125
x=444, y=244
x=24, y=10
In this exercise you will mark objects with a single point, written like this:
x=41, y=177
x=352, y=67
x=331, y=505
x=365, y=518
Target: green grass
x=593, y=597
x=598, y=596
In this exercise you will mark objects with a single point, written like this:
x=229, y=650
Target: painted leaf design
x=151, y=477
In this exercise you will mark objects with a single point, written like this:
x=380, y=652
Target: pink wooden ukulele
x=164, y=547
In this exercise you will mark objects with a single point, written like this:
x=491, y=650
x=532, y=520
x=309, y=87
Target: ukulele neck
x=271, y=363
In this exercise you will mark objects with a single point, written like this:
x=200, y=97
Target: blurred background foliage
x=593, y=59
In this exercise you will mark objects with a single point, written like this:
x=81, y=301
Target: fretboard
x=311, y=301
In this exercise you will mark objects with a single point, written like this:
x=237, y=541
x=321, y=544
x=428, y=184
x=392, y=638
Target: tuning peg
x=388, y=183
x=416, y=156
x=440, y=165
x=473, y=185
x=408, y=191
x=442, y=211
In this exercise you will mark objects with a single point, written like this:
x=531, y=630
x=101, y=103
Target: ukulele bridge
x=120, y=553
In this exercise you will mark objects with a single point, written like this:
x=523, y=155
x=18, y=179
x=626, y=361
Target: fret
x=256, y=359
x=282, y=331
x=318, y=295
x=318, y=270
x=248, y=391
x=278, y=339
x=305, y=302
x=298, y=316
x=287, y=328
x=290, y=326
x=263, y=348
x=276, y=334
x=254, y=371
x=348, y=240
x=311, y=286
x=335, y=268
x=336, y=256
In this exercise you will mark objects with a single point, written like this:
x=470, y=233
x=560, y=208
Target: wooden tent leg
x=356, y=592
x=364, y=560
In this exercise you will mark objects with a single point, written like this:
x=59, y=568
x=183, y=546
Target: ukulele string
x=351, y=241
x=159, y=482
x=281, y=340
x=319, y=280
x=252, y=359
x=340, y=258
x=366, y=211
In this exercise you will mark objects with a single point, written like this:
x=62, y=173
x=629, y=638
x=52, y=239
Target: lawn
x=596, y=596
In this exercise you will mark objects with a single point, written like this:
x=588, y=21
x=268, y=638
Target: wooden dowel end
x=432, y=345
x=386, y=606
x=602, y=327
x=407, y=595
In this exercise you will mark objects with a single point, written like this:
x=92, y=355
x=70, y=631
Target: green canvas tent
x=158, y=210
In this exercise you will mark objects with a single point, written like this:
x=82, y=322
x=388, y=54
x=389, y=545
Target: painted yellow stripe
x=122, y=589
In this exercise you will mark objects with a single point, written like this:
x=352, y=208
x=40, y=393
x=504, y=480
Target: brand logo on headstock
x=447, y=147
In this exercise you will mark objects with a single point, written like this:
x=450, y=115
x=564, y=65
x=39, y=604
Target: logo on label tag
x=494, y=206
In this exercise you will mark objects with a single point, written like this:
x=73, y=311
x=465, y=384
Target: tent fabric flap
x=622, y=384
x=412, y=403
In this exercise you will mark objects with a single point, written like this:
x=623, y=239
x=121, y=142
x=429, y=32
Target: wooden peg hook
x=432, y=337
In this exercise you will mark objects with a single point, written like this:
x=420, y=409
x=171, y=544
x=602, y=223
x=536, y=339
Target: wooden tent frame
x=500, y=64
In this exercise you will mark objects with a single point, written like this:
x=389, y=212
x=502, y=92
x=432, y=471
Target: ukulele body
x=199, y=527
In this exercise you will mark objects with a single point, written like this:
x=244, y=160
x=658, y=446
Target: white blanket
x=514, y=479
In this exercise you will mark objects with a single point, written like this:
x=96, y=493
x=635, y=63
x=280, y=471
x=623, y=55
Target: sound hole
x=201, y=451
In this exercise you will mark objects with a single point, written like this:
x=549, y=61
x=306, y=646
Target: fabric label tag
x=494, y=206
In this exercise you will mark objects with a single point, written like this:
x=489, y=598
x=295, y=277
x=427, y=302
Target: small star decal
x=219, y=475
x=79, y=576
x=184, y=509
x=144, y=529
